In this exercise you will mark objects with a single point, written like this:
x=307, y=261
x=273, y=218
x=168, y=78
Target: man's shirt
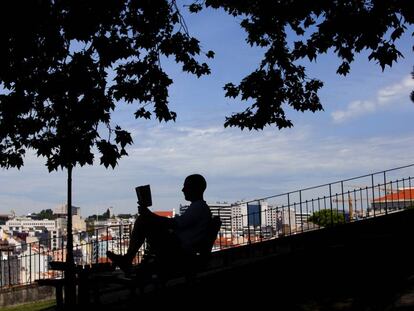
x=191, y=226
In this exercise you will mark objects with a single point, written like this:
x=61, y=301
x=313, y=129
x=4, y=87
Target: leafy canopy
x=44, y=214
x=57, y=58
x=347, y=27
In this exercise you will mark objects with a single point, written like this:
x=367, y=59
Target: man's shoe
x=120, y=260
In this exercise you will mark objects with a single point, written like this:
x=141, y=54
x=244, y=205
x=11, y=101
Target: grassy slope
x=34, y=306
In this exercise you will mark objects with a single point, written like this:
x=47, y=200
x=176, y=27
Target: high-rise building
x=62, y=210
x=239, y=216
x=254, y=214
x=224, y=211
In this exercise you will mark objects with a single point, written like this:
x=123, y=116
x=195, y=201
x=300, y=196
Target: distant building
x=62, y=210
x=116, y=227
x=239, y=216
x=269, y=215
x=168, y=214
x=26, y=224
x=34, y=264
x=286, y=220
x=4, y=218
x=78, y=223
x=254, y=214
x=100, y=247
x=402, y=198
x=302, y=219
x=224, y=211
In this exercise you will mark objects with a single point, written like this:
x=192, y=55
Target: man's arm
x=144, y=211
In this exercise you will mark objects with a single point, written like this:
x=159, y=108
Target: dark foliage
x=55, y=57
x=412, y=93
x=44, y=214
x=327, y=217
x=347, y=27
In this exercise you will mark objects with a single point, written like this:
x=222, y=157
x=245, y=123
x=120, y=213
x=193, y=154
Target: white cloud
x=396, y=91
x=238, y=165
x=222, y=151
x=246, y=165
x=387, y=96
x=354, y=109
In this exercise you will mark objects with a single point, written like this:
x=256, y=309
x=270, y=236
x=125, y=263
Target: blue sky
x=366, y=126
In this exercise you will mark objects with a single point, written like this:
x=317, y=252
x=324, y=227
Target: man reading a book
x=169, y=237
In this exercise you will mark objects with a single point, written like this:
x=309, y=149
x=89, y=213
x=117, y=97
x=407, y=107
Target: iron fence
x=325, y=205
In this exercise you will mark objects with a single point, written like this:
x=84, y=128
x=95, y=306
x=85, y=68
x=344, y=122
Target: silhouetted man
x=169, y=237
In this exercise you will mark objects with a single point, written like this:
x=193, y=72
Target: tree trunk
x=70, y=287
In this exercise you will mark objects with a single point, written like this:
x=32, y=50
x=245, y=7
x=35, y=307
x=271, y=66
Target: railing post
x=248, y=224
x=231, y=226
x=38, y=271
x=30, y=263
x=260, y=221
x=97, y=246
x=307, y=212
x=313, y=207
x=61, y=248
x=1, y=269
x=289, y=220
x=81, y=251
x=107, y=241
x=8, y=264
x=385, y=192
x=330, y=202
x=343, y=202
x=373, y=193
x=220, y=231
x=301, y=211
x=403, y=182
x=248, y=230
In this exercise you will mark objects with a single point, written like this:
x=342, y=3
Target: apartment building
x=26, y=224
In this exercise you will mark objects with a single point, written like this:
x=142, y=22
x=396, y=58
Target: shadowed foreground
x=365, y=265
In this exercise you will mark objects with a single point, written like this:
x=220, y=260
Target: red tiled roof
x=103, y=260
x=406, y=194
x=220, y=241
x=106, y=238
x=168, y=214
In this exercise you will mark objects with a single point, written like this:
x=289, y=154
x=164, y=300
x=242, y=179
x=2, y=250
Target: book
x=144, y=195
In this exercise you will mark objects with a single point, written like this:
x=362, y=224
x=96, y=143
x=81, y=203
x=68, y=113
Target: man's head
x=194, y=187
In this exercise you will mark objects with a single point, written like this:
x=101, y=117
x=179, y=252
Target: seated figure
x=170, y=238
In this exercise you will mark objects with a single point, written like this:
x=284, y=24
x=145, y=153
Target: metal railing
x=253, y=221
x=325, y=205
x=24, y=263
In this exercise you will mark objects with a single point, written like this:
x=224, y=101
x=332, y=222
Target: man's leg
x=137, y=238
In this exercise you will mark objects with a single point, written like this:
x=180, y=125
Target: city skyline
x=365, y=128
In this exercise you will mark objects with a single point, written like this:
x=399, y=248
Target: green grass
x=34, y=306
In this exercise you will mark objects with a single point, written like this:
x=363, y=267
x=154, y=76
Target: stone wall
x=25, y=294
x=365, y=265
